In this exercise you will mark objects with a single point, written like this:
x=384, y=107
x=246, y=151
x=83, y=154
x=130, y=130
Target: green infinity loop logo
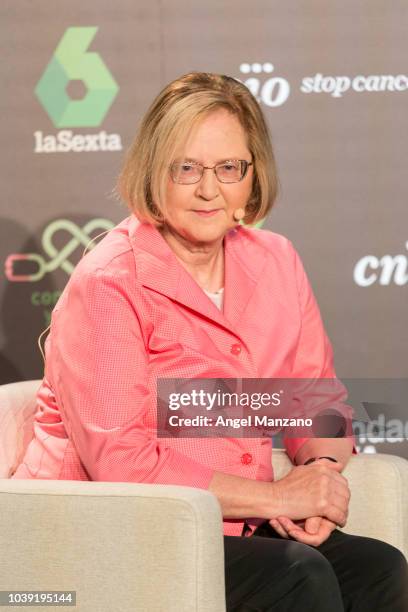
x=71, y=61
x=58, y=258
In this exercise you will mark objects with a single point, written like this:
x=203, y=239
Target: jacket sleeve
x=314, y=360
x=99, y=370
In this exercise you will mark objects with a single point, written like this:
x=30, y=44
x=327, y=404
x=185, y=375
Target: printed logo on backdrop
x=384, y=270
x=273, y=90
x=63, y=243
x=76, y=90
x=269, y=90
x=381, y=430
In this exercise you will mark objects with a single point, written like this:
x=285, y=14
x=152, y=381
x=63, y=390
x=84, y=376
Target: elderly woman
x=181, y=289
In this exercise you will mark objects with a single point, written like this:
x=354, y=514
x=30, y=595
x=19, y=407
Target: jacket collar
x=159, y=269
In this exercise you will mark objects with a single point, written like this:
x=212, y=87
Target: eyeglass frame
x=247, y=164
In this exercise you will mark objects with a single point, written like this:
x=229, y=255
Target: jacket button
x=236, y=349
x=246, y=458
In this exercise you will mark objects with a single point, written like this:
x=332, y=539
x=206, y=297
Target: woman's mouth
x=206, y=213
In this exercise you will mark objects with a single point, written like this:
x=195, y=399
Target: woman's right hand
x=313, y=490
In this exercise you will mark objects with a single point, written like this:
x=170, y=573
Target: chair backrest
x=17, y=408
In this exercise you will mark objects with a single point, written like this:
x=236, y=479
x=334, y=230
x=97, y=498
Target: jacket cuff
x=292, y=446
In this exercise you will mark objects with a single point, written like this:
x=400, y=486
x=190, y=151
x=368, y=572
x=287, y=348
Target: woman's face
x=218, y=137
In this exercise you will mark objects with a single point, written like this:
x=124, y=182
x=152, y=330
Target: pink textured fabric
x=131, y=313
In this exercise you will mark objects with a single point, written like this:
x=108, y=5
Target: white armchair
x=131, y=547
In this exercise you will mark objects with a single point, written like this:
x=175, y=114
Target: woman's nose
x=208, y=186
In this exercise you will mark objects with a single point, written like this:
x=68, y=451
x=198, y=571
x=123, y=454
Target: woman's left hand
x=313, y=531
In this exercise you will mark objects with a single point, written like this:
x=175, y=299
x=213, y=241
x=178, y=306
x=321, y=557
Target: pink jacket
x=131, y=313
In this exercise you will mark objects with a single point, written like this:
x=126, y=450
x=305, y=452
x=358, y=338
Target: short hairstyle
x=166, y=126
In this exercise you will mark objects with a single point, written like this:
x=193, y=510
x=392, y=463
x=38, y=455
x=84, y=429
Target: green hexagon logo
x=71, y=61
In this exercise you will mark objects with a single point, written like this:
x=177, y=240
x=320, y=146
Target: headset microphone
x=239, y=214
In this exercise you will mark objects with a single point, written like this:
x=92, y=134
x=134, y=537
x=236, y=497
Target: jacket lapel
x=245, y=264
x=159, y=269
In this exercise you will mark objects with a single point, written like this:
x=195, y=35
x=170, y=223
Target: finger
x=328, y=524
x=306, y=538
x=341, y=500
x=342, y=489
x=312, y=524
x=279, y=528
x=336, y=515
x=289, y=525
x=336, y=508
x=313, y=539
x=342, y=503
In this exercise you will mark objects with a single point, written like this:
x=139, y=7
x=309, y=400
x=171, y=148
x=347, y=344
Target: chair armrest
x=18, y=402
x=120, y=546
x=379, y=495
x=379, y=498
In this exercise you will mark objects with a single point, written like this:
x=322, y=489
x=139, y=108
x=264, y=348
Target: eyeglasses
x=230, y=171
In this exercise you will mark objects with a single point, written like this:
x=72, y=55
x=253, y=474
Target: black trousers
x=265, y=572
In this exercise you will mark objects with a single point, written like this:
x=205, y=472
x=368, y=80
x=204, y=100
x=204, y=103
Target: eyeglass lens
x=227, y=172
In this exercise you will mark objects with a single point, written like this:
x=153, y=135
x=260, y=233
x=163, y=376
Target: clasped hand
x=315, y=500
